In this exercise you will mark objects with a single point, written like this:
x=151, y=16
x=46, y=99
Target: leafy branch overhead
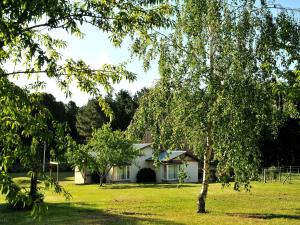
x=26, y=36
x=26, y=44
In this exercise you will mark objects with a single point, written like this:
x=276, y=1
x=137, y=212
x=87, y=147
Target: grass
x=271, y=203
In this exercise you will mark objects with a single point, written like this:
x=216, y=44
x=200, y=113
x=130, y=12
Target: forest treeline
x=279, y=149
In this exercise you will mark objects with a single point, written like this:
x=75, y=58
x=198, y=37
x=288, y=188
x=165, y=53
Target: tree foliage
x=90, y=117
x=105, y=149
x=225, y=74
x=281, y=149
x=24, y=41
x=57, y=109
x=24, y=129
x=26, y=45
x=123, y=107
x=71, y=112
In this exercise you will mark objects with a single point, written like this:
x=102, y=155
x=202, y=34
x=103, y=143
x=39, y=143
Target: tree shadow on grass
x=265, y=216
x=78, y=214
x=159, y=186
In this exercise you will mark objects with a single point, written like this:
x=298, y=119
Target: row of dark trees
x=282, y=149
x=83, y=120
x=91, y=116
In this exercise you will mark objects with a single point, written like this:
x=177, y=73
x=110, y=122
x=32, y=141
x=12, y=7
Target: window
x=121, y=173
x=170, y=172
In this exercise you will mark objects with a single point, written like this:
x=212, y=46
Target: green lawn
x=272, y=203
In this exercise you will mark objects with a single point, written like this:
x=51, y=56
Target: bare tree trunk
x=101, y=179
x=33, y=187
x=205, y=180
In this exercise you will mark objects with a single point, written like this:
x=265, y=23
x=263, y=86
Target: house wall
x=139, y=163
x=159, y=174
x=192, y=171
x=79, y=177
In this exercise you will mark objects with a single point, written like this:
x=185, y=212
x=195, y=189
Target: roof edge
x=145, y=145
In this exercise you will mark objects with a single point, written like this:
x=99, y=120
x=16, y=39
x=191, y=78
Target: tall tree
x=223, y=77
x=26, y=44
x=71, y=111
x=57, y=109
x=59, y=113
x=123, y=105
x=123, y=109
x=92, y=116
x=138, y=95
x=89, y=117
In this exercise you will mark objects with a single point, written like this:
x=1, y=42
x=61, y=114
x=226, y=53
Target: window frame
x=124, y=175
x=166, y=172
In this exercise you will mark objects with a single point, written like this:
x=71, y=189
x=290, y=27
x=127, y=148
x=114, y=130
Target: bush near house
x=146, y=175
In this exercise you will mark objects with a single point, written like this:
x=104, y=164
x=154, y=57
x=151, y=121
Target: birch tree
x=225, y=72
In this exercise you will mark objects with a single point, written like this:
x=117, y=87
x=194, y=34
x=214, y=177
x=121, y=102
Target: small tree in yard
x=182, y=174
x=106, y=149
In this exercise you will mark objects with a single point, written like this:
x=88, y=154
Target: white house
x=166, y=172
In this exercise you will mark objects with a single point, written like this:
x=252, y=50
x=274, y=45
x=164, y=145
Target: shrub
x=146, y=175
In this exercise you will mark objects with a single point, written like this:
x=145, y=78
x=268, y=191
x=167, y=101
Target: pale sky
x=96, y=49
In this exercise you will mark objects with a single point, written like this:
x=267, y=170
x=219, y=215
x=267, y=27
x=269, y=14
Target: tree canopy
x=105, y=149
x=281, y=149
x=27, y=46
x=225, y=74
x=90, y=117
x=24, y=40
x=24, y=126
x=123, y=106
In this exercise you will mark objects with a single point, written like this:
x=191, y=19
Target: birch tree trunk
x=205, y=180
x=208, y=151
